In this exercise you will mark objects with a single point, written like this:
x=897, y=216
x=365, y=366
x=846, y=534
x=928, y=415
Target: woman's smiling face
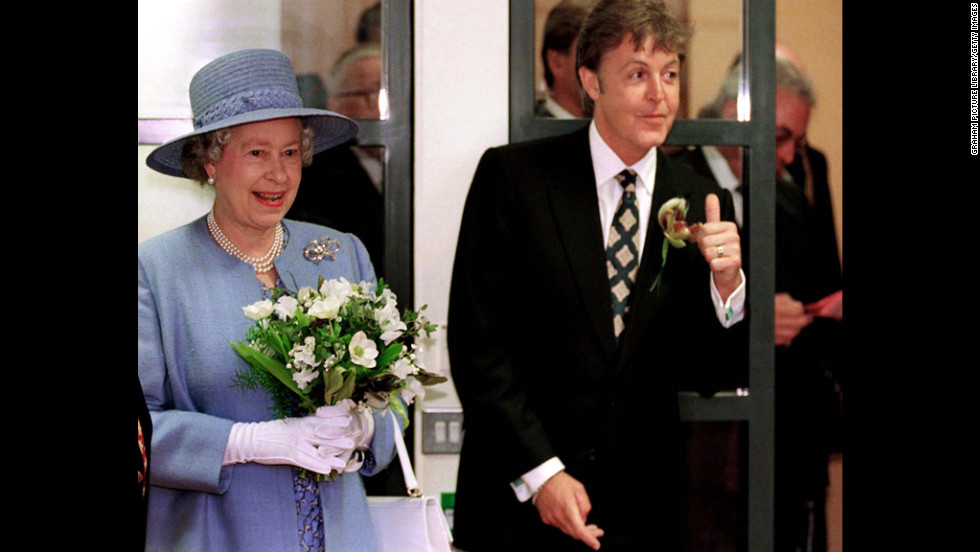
x=258, y=175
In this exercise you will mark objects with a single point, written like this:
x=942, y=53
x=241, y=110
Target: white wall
x=461, y=99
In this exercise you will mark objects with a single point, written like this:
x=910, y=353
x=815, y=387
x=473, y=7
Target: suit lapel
x=574, y=205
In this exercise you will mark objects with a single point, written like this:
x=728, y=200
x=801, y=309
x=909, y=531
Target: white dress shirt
x=607, y=165
x=556, y=110
x=725, y=177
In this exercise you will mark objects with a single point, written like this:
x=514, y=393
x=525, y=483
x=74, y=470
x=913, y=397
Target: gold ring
x=721, y=251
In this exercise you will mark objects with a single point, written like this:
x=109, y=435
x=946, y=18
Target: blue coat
x=190, y=297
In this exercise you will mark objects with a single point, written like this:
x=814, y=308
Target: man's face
x=792, y=117
x=358, y=94
x=565, y=83
x=636, y=94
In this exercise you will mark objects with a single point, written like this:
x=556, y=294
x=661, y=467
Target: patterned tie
x=622, y=251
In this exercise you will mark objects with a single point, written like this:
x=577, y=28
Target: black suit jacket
x=336, y=192
x=534, y=358
x=808, y=268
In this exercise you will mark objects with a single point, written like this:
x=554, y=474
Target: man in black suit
x=570, y=396
x=808, y=353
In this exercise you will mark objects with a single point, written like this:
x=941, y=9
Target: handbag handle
x=411, y=484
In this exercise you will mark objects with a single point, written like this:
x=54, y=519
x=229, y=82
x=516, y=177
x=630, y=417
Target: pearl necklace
x=261, y=265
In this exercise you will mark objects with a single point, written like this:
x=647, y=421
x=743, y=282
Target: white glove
x=362, y=420
x=322, y=442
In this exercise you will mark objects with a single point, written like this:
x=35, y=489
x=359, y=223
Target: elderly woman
x=226, y=476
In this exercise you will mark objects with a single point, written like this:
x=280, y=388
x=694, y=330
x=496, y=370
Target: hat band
x=245, y=102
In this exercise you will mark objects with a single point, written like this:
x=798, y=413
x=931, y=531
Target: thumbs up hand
x=720, y=245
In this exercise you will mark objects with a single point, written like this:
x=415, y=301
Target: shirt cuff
x=528, y=484
x=732, y=311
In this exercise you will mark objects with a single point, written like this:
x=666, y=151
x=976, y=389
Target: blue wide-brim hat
x=246, y=87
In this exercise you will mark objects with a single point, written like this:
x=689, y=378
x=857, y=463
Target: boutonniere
x=672, y=218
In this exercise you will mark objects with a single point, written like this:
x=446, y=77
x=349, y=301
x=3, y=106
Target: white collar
x=720, y=168
x=607, y=164
x=556, y=110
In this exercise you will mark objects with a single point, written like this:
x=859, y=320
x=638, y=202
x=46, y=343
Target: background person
x=224, y=475
x=346, y=183
x=563, y=99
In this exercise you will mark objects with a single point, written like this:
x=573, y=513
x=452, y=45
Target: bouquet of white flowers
x=317, y=347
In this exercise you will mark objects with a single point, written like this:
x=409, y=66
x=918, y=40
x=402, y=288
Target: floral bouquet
x=317, y=347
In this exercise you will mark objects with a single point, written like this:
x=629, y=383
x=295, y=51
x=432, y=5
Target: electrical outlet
x=442, y=430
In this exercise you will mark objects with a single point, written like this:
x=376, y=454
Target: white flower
x=391, y=331
x=328, y=307
x=339, y=289
x=387, y=313
x=388, y=297
x=303, y=354
x=402, y=369
x=363, y=351
x=286, y=306
x=392, y=335
x=388, y=319
x=259, y=310
x=304, y=293
x=304, y=377
x=412, y=390
x=364, y=289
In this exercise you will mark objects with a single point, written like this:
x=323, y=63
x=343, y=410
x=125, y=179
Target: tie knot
x=627, y=179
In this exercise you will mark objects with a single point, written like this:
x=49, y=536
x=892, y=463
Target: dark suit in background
x=336, y=192
x=808, y=411
x=808, y=417
x=537, y=367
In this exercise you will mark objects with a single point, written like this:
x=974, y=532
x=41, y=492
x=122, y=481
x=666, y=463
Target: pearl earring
x=211, y=181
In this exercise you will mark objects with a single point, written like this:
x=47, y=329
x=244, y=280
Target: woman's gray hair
x=206, y=148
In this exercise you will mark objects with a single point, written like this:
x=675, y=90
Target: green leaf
x=335, y=380
x=389, y=354
x=663, y=264
x=428, y=378
x=347, y=391
x=302, y=318
x=398, y=407
x=277, y=342
x=270, y=366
